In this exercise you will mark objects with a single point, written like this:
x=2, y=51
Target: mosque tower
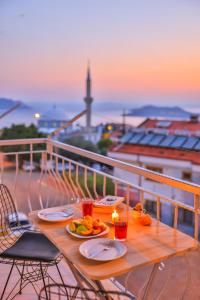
x=88, y=100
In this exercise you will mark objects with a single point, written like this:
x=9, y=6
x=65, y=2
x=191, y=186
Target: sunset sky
x=144, y=51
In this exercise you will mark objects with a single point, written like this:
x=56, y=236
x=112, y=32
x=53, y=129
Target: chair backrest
x=67, y=292
x=8, y=216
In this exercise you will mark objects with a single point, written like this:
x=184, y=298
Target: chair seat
x=32, y=246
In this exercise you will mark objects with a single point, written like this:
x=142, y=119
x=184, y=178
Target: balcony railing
x=42, y=174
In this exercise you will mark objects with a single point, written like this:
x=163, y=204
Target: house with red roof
x=186, y=127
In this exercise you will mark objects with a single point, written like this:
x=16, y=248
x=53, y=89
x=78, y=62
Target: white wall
x=173, y=168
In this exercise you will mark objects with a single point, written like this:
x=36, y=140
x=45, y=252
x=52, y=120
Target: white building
x=51, y=120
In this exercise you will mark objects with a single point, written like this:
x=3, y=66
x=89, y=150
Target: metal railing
x=60, y=179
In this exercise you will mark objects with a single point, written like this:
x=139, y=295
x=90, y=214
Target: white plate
x=55, y=214
x=102, y=249
x=88, y=236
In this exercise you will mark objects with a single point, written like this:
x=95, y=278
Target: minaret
x=88, y=100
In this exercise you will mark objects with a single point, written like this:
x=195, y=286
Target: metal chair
x=68, y=292
x=30, y=252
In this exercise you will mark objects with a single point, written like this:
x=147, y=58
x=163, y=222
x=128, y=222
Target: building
x=53, y=119
x=173, y=155
x=112, y=131
x=185, y=127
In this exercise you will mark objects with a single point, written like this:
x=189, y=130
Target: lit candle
x=115, y=217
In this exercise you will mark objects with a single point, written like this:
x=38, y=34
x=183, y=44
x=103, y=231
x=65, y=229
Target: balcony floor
x=179, y=280
x=28, y=292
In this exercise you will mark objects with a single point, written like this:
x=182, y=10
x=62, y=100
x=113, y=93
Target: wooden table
x=147, y=245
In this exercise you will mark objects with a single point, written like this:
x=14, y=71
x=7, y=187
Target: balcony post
x=176, y=216
x=49, y=148
x=158, y=208
x=142, y=197
x=196, y=216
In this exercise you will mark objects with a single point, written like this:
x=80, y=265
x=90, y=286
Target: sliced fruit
x=87, y=223
x=96, y=231
x=72, y=227
x=89, y=218
x=87, y=226
x=96, y=223
x=80, y=229
x=88, y=232
x=102, y=226
x=77, y=222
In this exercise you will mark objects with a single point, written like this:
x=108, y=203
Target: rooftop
x=55, y=114
x=150, y=143
x=186, y=125
x=158, y=152
x=162, y=140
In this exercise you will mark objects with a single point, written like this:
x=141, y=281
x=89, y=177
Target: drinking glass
x=87, y=207
x=121, y=225
x=121, y=230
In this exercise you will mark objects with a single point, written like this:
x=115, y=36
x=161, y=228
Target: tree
x=104, y=145
x=21, y=131
x=80, y=142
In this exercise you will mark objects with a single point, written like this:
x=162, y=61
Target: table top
x=146, y=245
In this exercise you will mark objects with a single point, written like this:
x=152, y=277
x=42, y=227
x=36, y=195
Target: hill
x=6, y=103
x=152, y=111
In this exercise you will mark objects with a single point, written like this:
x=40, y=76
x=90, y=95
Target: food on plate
x=72, y=227
x=145, y=219
x=96, y=231
x=77, y=222
x=87, y=226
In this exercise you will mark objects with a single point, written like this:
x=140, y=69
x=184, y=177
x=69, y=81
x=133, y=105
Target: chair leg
x=41, y=270
x=63, y=281
x=60, y=274
x=21, y=281
x=8, y=278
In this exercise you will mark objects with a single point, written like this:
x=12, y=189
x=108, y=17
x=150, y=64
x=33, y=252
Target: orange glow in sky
x=135, y=47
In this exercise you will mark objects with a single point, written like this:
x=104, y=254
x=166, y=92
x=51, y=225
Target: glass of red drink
x=121, y=230
x=87, y=207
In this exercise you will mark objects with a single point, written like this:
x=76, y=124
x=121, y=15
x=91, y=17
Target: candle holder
x=115, y=217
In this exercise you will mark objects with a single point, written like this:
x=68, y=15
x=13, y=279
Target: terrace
x=51, y=177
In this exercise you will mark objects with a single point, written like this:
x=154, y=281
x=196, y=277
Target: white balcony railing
x=58, y=179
